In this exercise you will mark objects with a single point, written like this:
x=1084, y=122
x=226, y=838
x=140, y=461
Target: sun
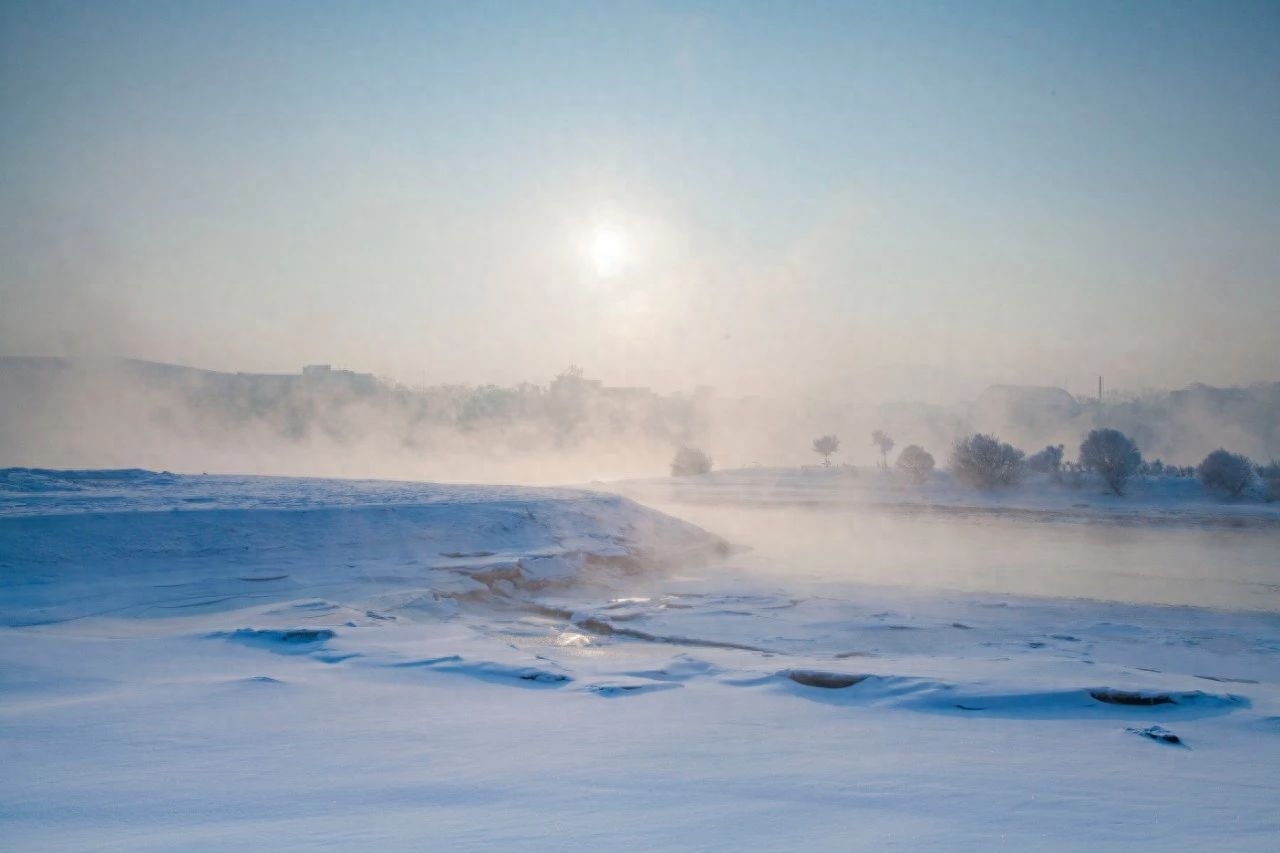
x=608, y=250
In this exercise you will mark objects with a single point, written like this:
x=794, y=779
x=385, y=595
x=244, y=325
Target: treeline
x=983, y=461
x=568, y=412
x=1183, y=425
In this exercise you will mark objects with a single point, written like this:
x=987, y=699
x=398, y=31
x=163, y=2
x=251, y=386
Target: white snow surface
x=209, y=663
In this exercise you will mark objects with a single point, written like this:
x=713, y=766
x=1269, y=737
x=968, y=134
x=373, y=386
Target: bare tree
x=1226, y=472
x=824, y=446
x=917, y=462
x=1113, y=455
x=882, y=441
x=985, y=461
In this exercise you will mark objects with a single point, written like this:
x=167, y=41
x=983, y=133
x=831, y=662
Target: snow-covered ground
x=218, y=662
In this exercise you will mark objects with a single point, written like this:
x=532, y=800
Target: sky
x=896, y=197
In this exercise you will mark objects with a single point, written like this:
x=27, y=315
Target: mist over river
x=1000, y=552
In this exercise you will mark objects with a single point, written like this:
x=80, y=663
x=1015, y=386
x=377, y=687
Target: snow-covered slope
x=239, y=663
x=137, y=543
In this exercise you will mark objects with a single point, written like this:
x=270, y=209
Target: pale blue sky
x=1022, y=191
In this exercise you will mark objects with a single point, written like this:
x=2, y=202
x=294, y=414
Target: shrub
x=1270, y=477
x=1229, y=473
x=916, y=462
x=1154, y=468
x=1113, y=455
x=689, y=461
x=824, y=446
x=1047, y=461
x=985, y=461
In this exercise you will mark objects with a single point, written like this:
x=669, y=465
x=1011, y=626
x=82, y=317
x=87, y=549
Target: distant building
x=316, y=374
x=624, y=392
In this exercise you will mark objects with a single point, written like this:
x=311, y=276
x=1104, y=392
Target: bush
x=985, y=461
x=1270, y=477
x=916, y=462
x=1113, y=455
x=1229, y=473
x=1155, y=468
x=689, y=461
x=1047, y=461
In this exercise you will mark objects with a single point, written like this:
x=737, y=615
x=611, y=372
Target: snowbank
x=76, y=544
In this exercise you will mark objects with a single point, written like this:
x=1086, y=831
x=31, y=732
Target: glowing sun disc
x=608, y=251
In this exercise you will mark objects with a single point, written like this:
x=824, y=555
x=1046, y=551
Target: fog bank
x=573, y=428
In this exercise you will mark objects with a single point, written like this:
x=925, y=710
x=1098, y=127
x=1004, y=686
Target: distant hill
x=87, y=413
x=123, y=413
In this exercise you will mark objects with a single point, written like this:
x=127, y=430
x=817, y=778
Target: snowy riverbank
x=283, y=663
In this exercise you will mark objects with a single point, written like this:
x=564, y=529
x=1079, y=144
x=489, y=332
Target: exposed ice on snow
x=822, y=678
x=1157, y=733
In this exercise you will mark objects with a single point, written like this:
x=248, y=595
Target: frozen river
x=1219, y=566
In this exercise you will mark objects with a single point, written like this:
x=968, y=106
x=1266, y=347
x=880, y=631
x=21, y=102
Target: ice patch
x=572, y=639
x=821, y=678
x=283, y=640
x=934, y=696
x=1148, y=698
x=613, y=690
x=1158, y=734
x=520, y=676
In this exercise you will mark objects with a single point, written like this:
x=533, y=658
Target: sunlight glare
x=608, y=251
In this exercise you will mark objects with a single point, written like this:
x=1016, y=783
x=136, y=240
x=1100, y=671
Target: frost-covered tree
x=1154, y=468
x=1111, y=454
x=824, y=446
x=985, y=461
x=689, y=461
x=1047, y=461
x=916, y=462
x=884, y=444
x=1270, y=477
x=1229, y=473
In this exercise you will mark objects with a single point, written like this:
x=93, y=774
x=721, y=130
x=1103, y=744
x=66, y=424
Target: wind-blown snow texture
x=215, y=662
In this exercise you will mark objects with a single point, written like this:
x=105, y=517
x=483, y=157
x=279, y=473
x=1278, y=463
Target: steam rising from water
x=803, y=549
x=111, y=413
